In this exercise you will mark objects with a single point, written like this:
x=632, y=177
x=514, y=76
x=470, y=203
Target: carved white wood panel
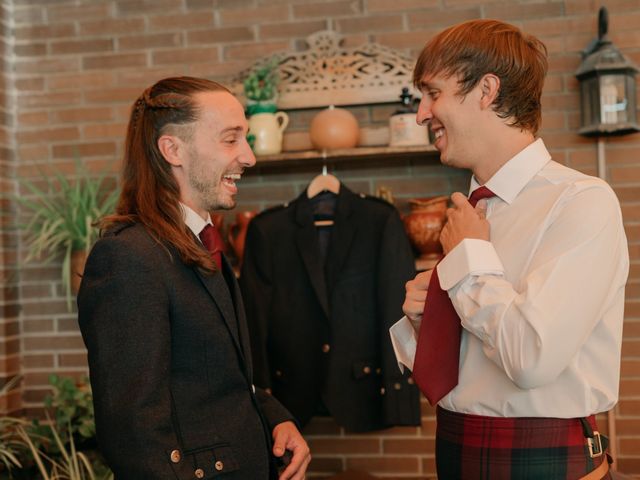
x=329, y=74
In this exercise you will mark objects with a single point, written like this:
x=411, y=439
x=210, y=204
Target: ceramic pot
x=334, y=128
x=238, y=233
x=424, y=223
x=267, y=129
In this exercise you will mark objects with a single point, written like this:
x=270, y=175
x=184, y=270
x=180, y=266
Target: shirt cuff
x=404, y=340
x=470, y=257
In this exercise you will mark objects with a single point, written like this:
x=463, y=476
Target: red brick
x=400, y=5
x=81, y=46
x=84, y=150
x=44, y=32
x=111, y=130
x=48, y=135
x=386, y=464
x=252, y=16
x=251, y=51
x=188, y=21
x=344, y=446
x=106, y=62
x=67, y=13
x=436, y=18
x=33, y=119
x=88, y=114
x=130, y=7
x=185, y=56
x=53, y=342
x=55, y=65
x=111, y=26
x=380, y=23
x=139, y=42
x=45, y=360
x=112, y=95
x=30, y=50
x=30, y=84
x=327, y=9
x=220, y=35
x=80, y=81
x=419, y=446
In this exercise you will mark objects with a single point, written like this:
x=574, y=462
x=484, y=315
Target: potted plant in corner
x=63, y=216
x=266, y=124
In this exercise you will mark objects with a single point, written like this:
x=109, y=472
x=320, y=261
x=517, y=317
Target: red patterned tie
x=212, y=240
x=436, y=365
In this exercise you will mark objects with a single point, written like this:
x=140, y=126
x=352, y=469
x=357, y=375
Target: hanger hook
x=324, y=169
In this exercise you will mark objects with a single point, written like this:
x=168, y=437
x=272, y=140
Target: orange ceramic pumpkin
x=334, y=128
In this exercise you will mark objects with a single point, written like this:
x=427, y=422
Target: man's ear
x=490, y=87
x=171, y=147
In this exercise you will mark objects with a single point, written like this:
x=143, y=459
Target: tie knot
x=211, y=239
x=480, y=193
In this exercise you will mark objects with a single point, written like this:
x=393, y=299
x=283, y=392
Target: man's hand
x=416, y=297
x=464, y=221
x=287, y=437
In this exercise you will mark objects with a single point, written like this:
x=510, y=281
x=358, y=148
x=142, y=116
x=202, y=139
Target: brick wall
x=9, y=311
x=78, y=64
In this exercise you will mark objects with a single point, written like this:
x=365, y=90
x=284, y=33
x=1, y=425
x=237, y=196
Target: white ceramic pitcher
x=267, y=129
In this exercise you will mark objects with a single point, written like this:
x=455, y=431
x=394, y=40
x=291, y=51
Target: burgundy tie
x=436, y=365
x=212, y=240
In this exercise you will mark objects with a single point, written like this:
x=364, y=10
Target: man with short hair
x=517, y=333
x=160, y=309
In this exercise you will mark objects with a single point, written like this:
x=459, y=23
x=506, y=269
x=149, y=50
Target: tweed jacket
x=320, y=331
x=170, y=365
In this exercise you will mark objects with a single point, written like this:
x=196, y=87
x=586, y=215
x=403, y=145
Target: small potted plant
x=62, y=216
x=261, y=88
x=266, y=124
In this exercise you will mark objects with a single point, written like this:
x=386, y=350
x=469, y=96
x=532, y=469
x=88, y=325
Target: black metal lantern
x=607, y=87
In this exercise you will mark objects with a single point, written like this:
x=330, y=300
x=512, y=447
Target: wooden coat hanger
x=323, y=182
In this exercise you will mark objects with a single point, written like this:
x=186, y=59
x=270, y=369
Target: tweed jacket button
x=199, y=473
x=219, y=465
x=397, y=386
x=326, y=347
x=366, y=370
x=278, y=373
x=410, y=381
x=382, y=391
x=175, y=456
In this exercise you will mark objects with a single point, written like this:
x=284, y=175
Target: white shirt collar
x=193, y=220
x=512, y=177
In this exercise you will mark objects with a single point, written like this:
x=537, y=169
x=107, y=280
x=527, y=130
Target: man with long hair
x=162, y=315
x=516, y=334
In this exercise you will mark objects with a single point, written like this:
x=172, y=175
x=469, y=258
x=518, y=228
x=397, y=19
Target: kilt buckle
x=595, y=445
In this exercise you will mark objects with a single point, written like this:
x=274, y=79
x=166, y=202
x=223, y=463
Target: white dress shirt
x=542, y=302
x=194, y=221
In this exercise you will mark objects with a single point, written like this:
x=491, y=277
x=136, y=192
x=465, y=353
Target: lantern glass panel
x=613, y=99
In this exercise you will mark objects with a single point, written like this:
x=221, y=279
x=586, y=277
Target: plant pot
x=424, y=224
x=78, y=260
x=267, y=129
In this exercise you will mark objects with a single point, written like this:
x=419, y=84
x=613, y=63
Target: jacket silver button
x=199, y=473
x=326, y=347
x=367, y=370
x=175, y=456
x=219, y=465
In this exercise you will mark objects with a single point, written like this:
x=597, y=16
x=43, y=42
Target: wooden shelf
x=348, y=154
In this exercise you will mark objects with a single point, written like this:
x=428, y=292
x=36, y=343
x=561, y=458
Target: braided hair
x=150, y=194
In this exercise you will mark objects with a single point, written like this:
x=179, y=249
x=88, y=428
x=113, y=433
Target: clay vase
x=267, y=129
x=334, y=128
x=238, y=233
x=424, y=223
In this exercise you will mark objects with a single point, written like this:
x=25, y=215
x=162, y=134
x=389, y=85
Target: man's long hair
x=472, y=49
x=150, y=194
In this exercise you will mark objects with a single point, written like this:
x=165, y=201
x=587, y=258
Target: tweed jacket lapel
x=221, y=294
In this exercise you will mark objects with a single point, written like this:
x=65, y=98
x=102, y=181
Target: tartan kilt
x=475, y=447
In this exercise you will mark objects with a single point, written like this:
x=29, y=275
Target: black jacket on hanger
x=319, y=329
